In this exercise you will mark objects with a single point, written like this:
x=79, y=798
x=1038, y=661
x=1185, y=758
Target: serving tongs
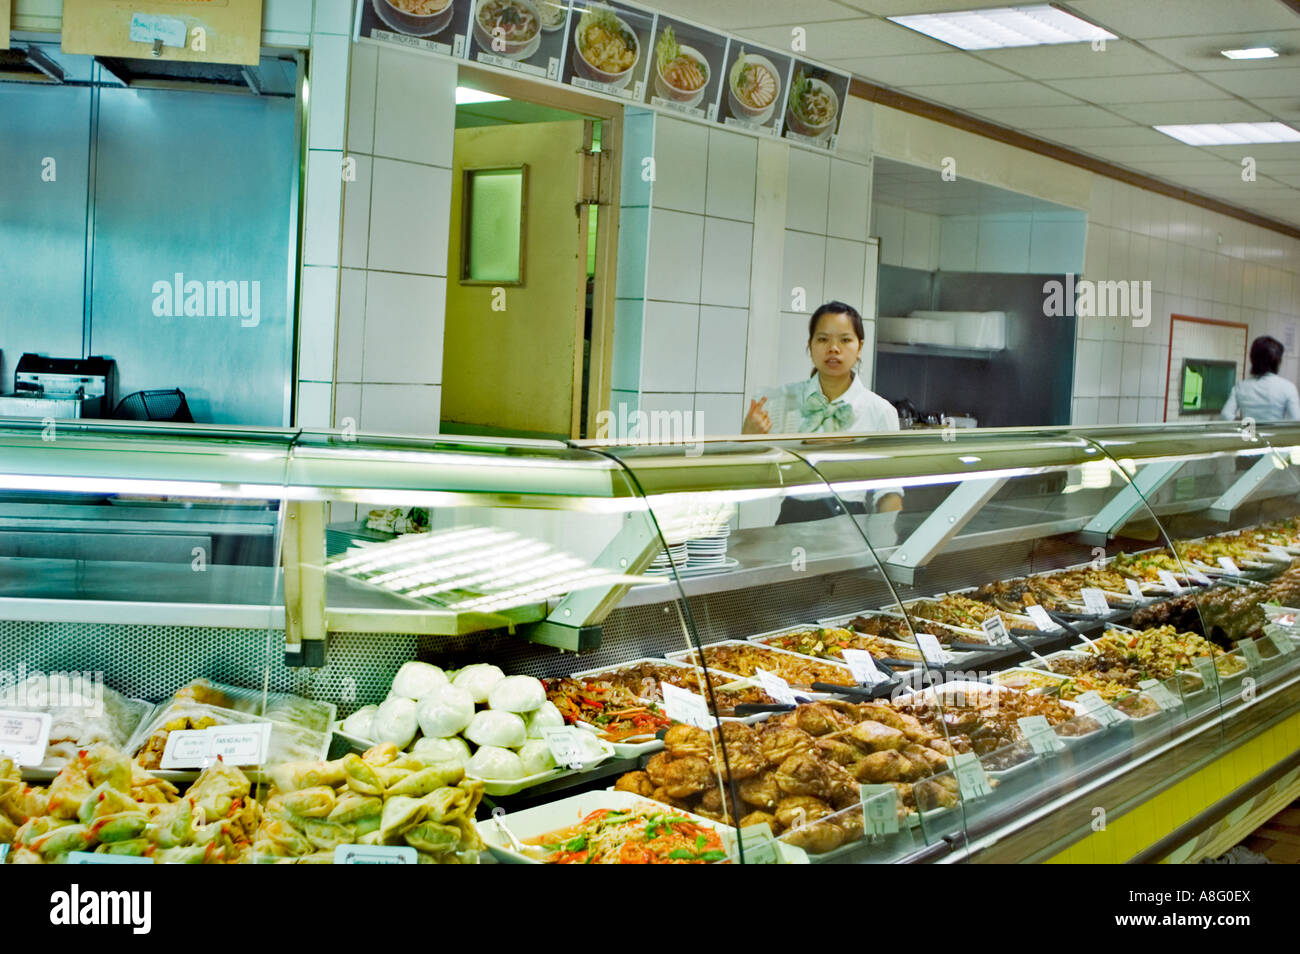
x=871, y=692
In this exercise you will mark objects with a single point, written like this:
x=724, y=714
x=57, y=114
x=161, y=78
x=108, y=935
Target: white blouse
x=791, y=410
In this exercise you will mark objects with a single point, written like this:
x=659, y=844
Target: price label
x=971, y=778
x=1159, y=692
x=566, y=745
x=682, y=705
x=1250, y=652
x=864, y=667
x=1094, y=602
x=879, y=809
x=1135, y=589
x=1280, y=552
x=1097, y=707
x=1169, y=581
x=233, y=744
x=1040, y=735
x=1280, y=639
x=1208, y=671
x=1039, y=615
x=1230, y=565
x=1198, y=577
x=91, y=858
x=996, y=630
x=776, y=687
x=24, y=735
x=929, y=645
x=758, y=844
x=375, y=855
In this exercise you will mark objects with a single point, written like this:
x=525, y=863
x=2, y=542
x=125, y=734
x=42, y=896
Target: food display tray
x=686, y=654
x=499, y=788
x=532, y=822
x=956, y=657
x=734, y=681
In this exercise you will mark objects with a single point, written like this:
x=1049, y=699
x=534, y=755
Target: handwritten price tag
x=1230, y=565
x=971, y=778
x=1158, y=691
x=374, y=855
x=199, y=748
x=1094, y=602
x=1169, y=581
x=1250, y=652
x=934, y=653
x=996, y=630
x=1039, y=734
x=776, y=687
x=24, y=735
x=1280, y=639
x=1040, y=618
x=1135, y=589
x=682, y=705
x=759, y=844
x=566, y=745
x=879, y=809
x=1097, y=707
x=1208, y=671
x=863, y=667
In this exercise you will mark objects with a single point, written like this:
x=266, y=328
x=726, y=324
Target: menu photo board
x=610, y=49
x=815, y=105
x=687, y=68
x=439, y=26
x=756, y=84
x=525, y=36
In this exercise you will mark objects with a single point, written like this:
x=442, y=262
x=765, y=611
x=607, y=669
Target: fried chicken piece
x=909, y=725
x=927, y=759
x=794, y=811
x=760, y=818
x=713, y=801
x=741, y=761
x=638, y=783
x=778, y=742
x=836, y=751
x=936, y=793
x=686, y=777
x=817, y=718
x=657, y=766
x=737, y=733
x=761, y=791
x=805, y=774
x=887, y=766
x=875, y=737
x=682, y=740
x=942, y=746
x=817, y=838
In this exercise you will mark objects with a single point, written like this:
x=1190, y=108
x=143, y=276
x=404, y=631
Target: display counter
x=986, y=645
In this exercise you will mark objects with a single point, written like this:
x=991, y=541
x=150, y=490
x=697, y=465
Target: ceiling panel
x=1201, y=53
x=849, y=39
x=736, y=14
x=1051, y=117
x=1168, y=87
x=1260, y=150
x=1210, y=111
x=986, y=95
x=1152, y=18
x=1283, y=107
x=926, y=68
x=1126, y=155
x=1085, y=139
x=893, y=8
x=1076, y=60
x=1274, y=82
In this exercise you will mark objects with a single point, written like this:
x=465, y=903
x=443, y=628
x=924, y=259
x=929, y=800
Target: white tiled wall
x=1201, y=264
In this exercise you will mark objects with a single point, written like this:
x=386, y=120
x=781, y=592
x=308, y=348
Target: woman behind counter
x=833, y=398
x=1263, y=396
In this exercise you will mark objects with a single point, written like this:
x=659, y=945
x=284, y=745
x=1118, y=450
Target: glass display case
x=957, y=645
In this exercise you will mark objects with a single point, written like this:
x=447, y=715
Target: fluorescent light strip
x=1229, y=134
x=1251, y=53
x=465, y=96
x=1001, y=27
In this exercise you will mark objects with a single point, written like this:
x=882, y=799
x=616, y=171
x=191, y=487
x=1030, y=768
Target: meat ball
x=686, y=777
x=681, y=740
x=638, y=783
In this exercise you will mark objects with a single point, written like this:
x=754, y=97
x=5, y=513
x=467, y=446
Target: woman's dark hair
x=1265, y=355
x=836, y=308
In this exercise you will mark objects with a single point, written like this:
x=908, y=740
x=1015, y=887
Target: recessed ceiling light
x=999, y=27
x=465, y=95
x=1251, y=53
x=1230, y=134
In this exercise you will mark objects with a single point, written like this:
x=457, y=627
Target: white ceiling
x=1164, y=68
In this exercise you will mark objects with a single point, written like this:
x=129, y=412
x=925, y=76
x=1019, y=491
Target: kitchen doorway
x=529, y=316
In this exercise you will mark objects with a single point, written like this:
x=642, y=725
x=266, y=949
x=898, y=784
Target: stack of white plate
x=709, y=551
x=676, y=554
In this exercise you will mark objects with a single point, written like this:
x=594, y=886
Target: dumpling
x=415, y=680
x=359, y=723
x=446, y=711
x=478, y=679
x=494, y=762
x=443, y=750
x=517, y=694
x=395, y=722
x=545, y=716
x=536, y=757
x=503, y=729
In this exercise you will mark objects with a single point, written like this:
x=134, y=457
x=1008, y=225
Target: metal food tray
x=842, y=622
x=500, y=788
x=682, y=655
x=733, y=682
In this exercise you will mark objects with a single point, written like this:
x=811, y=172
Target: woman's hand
x=757, y=421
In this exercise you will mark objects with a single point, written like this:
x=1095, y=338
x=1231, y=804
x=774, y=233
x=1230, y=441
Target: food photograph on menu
x=756, y=88
x=686, y=69
x=609, y=49
x=815, y=105
x=526, y=36
x=439, y=26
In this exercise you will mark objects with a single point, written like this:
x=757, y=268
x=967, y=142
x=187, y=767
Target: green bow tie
x=819, y=414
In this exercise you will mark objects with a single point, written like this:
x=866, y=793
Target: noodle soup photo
x=812, y=110
x=756, y=87
x=441, y=26
x=686, y=69
x=526, y=36
x=609, y=49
